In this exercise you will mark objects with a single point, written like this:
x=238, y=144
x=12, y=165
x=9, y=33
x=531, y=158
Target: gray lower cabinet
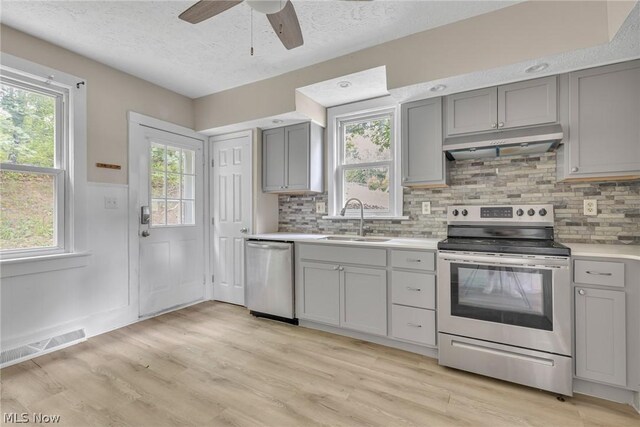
x=423, y=162
x=600, y=335
x=292, y=159
x=363, y=302
x=604, y=125
x=319, y=289
x=528, y=103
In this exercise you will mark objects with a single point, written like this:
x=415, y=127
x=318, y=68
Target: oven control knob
x=464, y=212
x=455, y=212
x=519, y=212
x=531, y=212
x=542, y=212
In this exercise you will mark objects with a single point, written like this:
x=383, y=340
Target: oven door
x=520, y=300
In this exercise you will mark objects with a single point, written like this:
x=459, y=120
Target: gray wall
x=510, y=180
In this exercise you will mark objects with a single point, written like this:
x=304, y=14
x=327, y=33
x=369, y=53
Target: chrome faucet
x=344, y=209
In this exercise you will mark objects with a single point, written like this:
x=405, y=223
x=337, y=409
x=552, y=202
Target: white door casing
x=169, y=261
x=230, y=196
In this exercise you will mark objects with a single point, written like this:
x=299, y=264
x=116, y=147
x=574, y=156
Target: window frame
x=69, y=168
x=338, y=118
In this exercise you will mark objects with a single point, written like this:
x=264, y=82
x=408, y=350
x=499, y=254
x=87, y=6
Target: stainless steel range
x=504, y=296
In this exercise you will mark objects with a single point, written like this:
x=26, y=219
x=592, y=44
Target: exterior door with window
x=171, y=270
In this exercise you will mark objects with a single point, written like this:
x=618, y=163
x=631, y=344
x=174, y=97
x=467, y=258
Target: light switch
x=321, y=208
x=426, y=208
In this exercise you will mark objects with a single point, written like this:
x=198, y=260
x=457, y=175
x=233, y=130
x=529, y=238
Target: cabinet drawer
x=414, y=289
x=415, y=260
x=599, y=273
x=413, y=324
x=343, y=255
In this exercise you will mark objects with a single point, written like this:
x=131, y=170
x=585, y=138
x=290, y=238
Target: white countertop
x=605, y=251
x=577, y=249
x=392, y=242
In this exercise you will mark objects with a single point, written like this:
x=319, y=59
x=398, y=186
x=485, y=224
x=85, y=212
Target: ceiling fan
x=280, y=13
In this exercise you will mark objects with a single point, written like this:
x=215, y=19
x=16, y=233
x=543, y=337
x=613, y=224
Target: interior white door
x=171, y=256
x=230, y=195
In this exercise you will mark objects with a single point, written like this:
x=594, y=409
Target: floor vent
x=19, y=354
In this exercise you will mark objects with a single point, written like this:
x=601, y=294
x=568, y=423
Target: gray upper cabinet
x=473, y=111
x=528, y=103
x=600, y=335
x=604, y=122
x=423, y=161
x=292, y=159
x=273, y=156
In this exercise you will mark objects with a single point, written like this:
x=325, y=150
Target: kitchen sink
x=355, y=239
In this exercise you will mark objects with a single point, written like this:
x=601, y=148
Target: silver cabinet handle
x=493, y=125
x=597, y=273
x=501, y=124
x=336, y=268
x=581, y=292
x=414, y=325
x=244, y=230
x=341, y=268
x=574, y=169
x=409, y=288
x=414, y=260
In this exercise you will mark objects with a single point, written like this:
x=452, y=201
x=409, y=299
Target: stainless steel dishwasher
x=269, y=279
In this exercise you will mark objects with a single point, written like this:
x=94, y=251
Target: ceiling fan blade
x=285, y=24
x=205, y=9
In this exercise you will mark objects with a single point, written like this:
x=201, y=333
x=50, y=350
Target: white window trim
x=335, y=116
x=71, y=170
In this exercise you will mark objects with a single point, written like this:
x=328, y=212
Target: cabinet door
x=297, y=164
x=273, y=160
x=473, y=111
x=320, y=293
x=423, y=161
x=600, y=335
x=363, y=302
x=528, y=103
x=604, y=107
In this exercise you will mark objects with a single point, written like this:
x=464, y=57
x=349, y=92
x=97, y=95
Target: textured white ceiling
x=146, y=38
x=363, y=85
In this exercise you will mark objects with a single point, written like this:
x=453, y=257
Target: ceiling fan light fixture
x=267, y=6
x=344, y=84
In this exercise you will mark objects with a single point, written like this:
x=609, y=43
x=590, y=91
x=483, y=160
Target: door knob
x=501, y=124
x=145, y=233
x=244, y=230
x=574, y=169
x=581, y=292
x=493, y=125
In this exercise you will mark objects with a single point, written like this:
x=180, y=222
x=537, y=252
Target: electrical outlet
x=590, y=207
x=110, y=202
x=321, y=208
x=426, y=208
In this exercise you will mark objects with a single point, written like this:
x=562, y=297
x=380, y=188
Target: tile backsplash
x=509, y=180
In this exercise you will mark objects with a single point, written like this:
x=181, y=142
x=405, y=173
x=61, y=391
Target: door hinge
x=213, y=278
x=212, y=163
x=213, y=221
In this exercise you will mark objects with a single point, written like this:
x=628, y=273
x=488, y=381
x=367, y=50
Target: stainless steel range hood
x=532, y=140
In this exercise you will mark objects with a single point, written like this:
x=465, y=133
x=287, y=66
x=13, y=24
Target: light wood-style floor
x=214, y=364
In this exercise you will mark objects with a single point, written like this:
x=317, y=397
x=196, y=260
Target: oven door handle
x=504, y=261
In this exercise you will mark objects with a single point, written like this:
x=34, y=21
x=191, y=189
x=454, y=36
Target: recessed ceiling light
x=437, y=88
x=276, y=121
x=537, y=68
x=344, y=84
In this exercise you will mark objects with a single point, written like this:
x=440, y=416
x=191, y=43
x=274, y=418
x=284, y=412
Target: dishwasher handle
x=271, y=245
